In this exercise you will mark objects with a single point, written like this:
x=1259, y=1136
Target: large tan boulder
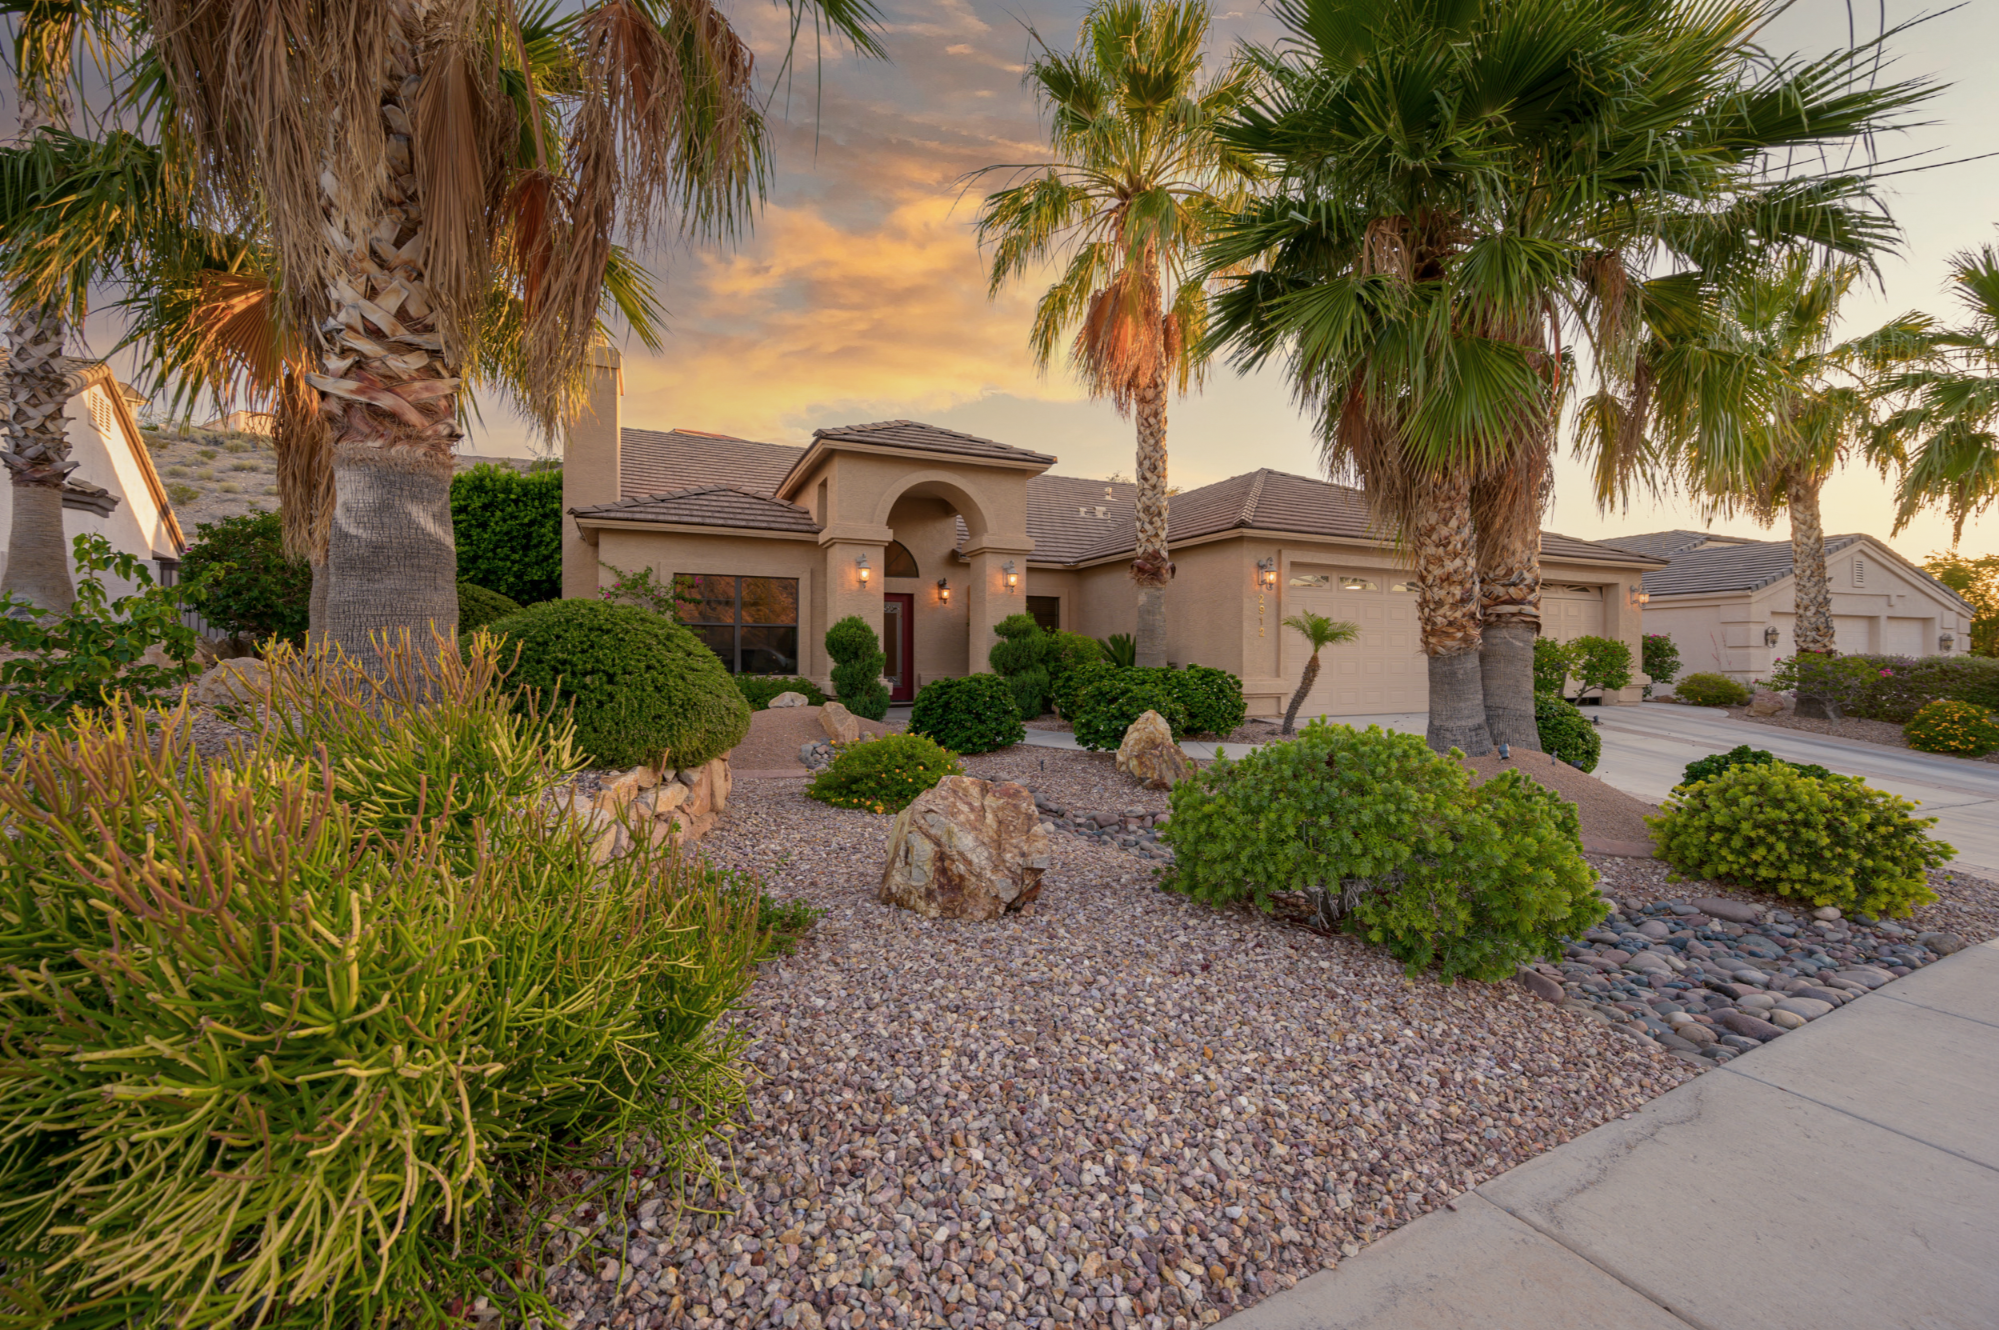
x=966, y=849
x=1148, y=753
x=786, y=700
x=1767, y=703
x=232, y=682
x=841, y=725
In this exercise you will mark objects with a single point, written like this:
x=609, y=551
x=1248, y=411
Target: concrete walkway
x=1846, y=1175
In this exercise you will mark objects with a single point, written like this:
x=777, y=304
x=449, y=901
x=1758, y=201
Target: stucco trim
x=99, y=375
x=1637, y=562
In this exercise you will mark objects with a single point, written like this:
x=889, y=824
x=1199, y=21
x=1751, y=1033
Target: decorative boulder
x=1767, y=703
x=966, y=849
x=841, y=725
x=1148, y=753
x=233, y=681
x=783, y=700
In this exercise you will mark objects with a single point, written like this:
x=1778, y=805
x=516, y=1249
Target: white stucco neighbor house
x=1729, y=602
x=115, y=491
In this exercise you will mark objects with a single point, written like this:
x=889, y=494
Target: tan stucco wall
x=667, y=553
x=590, y=465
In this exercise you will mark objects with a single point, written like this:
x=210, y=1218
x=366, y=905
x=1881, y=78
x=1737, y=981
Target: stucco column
x=988, y=599
x=845, y=592
x=591, y=469
x=1625, y=622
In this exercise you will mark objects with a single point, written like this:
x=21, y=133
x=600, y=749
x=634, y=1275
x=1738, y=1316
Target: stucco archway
x=946, y=485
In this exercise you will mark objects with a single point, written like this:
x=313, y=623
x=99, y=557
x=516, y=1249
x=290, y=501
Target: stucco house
x=934, y=535
x=1729, y=602
x=115, y=491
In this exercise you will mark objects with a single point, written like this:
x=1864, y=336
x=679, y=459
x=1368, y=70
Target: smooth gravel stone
x=1818, y=994
x=1809, y=1008
x=1744, y=1024
x=1540, y=985
x=1789, y=1020
x=1867, y=977
x=1737, y=912
x=1654, y=928
x=1826, y=912
x=1695, y=1033
x=1943, y=944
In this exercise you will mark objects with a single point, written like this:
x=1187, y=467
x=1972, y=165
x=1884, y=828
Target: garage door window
x=1312, y=579
x=1355, y=582
x=750, y=622
x=1408, y=587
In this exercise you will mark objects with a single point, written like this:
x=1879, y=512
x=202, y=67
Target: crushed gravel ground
x=1884, y=732
x=776, y=734
x=1606, y=814
x=1123, y=1109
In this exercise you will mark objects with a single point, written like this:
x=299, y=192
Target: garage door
x=1853, y=634
x=1907, y=637
x=1569, y=612
x=1383, y=670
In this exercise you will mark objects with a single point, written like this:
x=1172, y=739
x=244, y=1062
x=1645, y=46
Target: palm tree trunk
x=1447, y=608
x=1813, y=629
x=1306, y=678
x=389, y=398
x=1150, y=567
x=36, y=454
x=1509, y=598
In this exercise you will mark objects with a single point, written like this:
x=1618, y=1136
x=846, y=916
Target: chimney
x=591, y=472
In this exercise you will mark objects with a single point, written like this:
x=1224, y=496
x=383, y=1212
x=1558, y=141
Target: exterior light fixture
x=861, y=567
x=1945, y=641
x=943, y=591
x=1012, y=578
x=1770, y=636
x=1266, y=574
x=1639, y=596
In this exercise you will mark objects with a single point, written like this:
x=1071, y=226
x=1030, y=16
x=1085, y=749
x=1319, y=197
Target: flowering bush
x=882, y=775
x=1944, y=726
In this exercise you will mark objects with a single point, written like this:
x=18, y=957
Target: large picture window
x=750, y=622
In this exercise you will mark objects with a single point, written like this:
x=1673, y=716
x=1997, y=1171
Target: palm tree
x=396, y=160
x=1321, y=632
x=1139, y=178
x=1950, y=406
x=1463, y=193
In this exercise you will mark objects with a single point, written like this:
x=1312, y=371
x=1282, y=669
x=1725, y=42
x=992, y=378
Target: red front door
x=899, y=645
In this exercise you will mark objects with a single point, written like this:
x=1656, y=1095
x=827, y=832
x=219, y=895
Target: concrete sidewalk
x=1846, y=1175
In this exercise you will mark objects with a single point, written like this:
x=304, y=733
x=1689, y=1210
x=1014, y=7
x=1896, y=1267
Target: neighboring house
x=245, y=422
x=1729, y=603
x=114, y=492
x=933, y=536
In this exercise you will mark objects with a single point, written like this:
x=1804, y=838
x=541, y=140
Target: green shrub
x=1120, y=649
x=1212, y=697
x=1602, y=663
x=1392, y=842
x=1069, y=687
x=1069, y=650
x=759, y=689
x=1710, y=690
x=325, y=1085
x=508, y=526
x=882, y=775
x=1707, y=768
x=240, y=580
x=1891, y=688
x=975, y=714
x=1110, y=704
x=1944, y=726
x=857, y=667
x=60, y=663
x=1021, y=658
x=478, y=607
x=1551, y=666
x=640, y=684
x=1832, y=840
x=1660, y=659
x=1566, y=733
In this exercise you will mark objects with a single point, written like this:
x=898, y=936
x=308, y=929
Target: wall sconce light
x=1945, y=641
x=1012, y=578
x=943, y=591
x=1266, y=574
x=1770, y=636
x=1639, y=596
x=861, y=567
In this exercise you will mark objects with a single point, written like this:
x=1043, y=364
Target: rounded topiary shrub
x=759, y=689
x=478, y=607
x=1742, y=755
x=883, y=774
x=1711, y=690
x=640, y=684
x=857, y=667
x=975, y=714
x=1393, y=842
x=1565, y=732
x=1110, y=704
x=1021, y=658
x=1213, y=699
x=1833, y=840
x=1944, y=726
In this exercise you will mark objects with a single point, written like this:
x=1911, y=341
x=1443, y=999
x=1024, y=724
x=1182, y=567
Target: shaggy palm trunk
x=1509, y=599
x=1150, y=567
x=388, y=397
x=1306, y=679
x=1813, y=629
x=1447, y=607
x=36, y=453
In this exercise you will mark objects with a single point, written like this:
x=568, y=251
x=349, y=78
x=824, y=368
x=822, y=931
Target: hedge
x=508, y=526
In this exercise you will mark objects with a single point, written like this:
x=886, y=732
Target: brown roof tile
x=916, y=435
x=708, y=505
x=659, y=461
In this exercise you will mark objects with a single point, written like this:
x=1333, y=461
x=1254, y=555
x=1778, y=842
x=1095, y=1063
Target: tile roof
x=709, y=505
x=661, y=461
x=1746, y=567
x=1070, y=515
x=916, y=435
x=1671, y=544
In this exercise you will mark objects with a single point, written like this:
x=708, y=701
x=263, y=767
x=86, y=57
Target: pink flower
x=1887, y=674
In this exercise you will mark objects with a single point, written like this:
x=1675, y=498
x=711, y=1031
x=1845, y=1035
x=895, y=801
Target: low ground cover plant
x=971, y=714
x=1110, y=702
x=638, y=684
x=1707, y=689
x=1393, y=842
x=1707, y=768
x=1964, y=729
x=883, y=774
x=759, y=689
x=320, y=1086
x=1566, y=733
x=857, y=667
x=1831, y=839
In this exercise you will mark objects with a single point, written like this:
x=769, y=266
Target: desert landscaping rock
x=1766, y=703
x=232, y=682
x=841, y=725
x=1149, y=756
x=783, y=701
x=966, y=849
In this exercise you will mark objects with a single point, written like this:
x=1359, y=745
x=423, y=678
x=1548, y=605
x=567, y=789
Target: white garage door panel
x=1382, y=671
x=1569, y=612
x=1906, y=637
x=1851, y=634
